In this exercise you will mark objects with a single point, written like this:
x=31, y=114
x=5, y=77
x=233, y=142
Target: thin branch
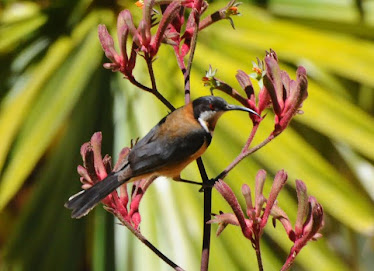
x=154, y=92
x=217, y=16
x=231, y=91
x=164, y=100
x=179, y=58
x=207, y=215
x=151, y=73
x=258, y=254
x=207, y=21
x=149, y=245
x=290, y=260
x=245, y=152
x=139, y=85
x=259, y=146
x=251, y=136
x=187, y=74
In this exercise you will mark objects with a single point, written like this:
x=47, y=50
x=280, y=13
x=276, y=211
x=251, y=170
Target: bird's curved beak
x=240, y=108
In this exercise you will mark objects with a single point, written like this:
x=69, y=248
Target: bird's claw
x=207, y=184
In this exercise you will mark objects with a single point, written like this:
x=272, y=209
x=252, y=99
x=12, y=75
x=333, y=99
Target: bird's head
x=208, y=109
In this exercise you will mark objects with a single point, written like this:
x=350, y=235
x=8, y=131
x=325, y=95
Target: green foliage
x=58, y=94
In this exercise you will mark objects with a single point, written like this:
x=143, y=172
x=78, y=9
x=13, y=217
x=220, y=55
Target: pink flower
x=120, y=61
x=257, y=215
x=142, y=40
x=276, y=88
x=309, y=216
x=287, y=95
x=95, y=169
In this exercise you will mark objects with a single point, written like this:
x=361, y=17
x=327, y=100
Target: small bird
x=178, y=139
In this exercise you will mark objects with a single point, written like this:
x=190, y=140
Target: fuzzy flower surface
x=256, y=215
x=95, y=169
x=277, y=90
x=142, y=41
x=287, y=95
x=252, y=222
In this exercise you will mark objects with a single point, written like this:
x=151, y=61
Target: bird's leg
x=179, y=179
x=209, y=184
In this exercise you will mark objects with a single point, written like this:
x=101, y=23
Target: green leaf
x=339, y=120
x=341, y=54
x=11, y=118
x=44, y=223
x=11, y=34
x=52, y=108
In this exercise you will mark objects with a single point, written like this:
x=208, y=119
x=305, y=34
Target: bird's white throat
x=208, y=120
x=203, y=124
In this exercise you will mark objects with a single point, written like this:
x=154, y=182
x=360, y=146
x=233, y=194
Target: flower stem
x=231, y=91
x=154, y=92
x=258, y=254
x=179, y=59
x=187, y=73
x=207, y=21
x=151, y=73
x=149, y=244
x=290, y=259
x=207, y=228
x=251, y=136
x=245, y=152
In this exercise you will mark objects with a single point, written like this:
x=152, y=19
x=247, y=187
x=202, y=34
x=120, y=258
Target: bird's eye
x=211, y=107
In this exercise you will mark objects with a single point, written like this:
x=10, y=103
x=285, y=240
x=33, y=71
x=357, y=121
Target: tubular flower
x=309, y=215
x=95, y=169
x=257, y=216
x=142, y=40
x=287, y=95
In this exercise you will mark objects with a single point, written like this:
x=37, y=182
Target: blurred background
x=54, y=94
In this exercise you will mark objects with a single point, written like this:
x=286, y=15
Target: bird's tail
x=84, y=201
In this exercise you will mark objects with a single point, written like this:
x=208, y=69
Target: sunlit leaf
x=11, y=34
x=51, y=110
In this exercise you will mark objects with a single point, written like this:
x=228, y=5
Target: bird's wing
x=151, y=155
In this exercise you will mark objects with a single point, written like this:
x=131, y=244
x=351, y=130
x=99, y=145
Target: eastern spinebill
x=178, y=139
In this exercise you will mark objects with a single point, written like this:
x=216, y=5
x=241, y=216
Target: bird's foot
x=208, y=184
x=187, y=181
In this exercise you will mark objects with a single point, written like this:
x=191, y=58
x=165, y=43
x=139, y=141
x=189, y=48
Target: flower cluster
x=309, y=216
x=308, y=223
x=172, y=28
x=287, y=95
x=253, y=225
x=277, y=89
x=95, y=169
x=142, y=40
